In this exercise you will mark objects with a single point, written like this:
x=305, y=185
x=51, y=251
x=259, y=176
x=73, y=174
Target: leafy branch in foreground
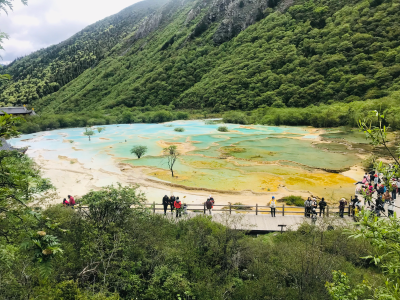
x=377, y=134
x=384, y=235
x=8, y=126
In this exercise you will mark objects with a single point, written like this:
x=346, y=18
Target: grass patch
x=232, y=149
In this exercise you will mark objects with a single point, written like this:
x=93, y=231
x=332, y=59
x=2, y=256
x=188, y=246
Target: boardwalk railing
x=253, y=209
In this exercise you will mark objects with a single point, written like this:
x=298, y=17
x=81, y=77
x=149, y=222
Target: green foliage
x=293, y=200
x=112, y=205
x=88, y=132
x=235, y=117
x=139, y=151
x=179, y=129
x=223, y=129
x=340, y=288
x=8, y=126
x=20, y=185
x=171, y=154
x=313, y=53
x=100, y=129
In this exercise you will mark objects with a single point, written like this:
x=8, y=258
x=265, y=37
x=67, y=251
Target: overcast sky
x=47, y=22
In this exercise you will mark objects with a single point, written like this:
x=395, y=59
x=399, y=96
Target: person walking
x=353, y=205
x=376, y=180
x=391, y=209
x=272, y=205
x=398, y=186
x=314, y=206
x=394, y=189
x=387, y=198
x=165, y=202
x=212, y=200
x=178, y=207
x=322, y=204
x=65, y=202
x=307, y=207
x=172, y=202
x=71, y=201
x=342, y=205
x=379, y=206
x=209, y=205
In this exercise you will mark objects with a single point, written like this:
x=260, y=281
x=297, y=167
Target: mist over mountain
x=220, y=54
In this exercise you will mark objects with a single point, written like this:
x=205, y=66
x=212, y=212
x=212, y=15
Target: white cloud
x=46, y=22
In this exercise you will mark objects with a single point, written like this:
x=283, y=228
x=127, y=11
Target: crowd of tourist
x=374, y=192
x=377, y=192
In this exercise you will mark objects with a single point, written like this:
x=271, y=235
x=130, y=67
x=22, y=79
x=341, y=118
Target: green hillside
x=208, y=55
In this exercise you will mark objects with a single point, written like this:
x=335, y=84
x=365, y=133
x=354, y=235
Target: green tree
x=8, y=126
x=139, y=151
x=113, y=205
x=100, y=129
x=88, y=132
x=171, y=154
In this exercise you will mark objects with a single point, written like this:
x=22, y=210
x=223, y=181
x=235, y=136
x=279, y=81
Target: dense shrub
x=293, y=200
x=223, y=129
x=235, y=117
x=179, y=129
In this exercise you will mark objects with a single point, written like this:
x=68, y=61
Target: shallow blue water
x=117, y=140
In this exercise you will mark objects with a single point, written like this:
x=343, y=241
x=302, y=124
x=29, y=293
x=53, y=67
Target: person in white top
x=272, y=205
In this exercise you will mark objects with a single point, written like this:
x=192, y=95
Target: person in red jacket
x=209, y=205
x=65, y=202
x=178, y=207
x=71, y=201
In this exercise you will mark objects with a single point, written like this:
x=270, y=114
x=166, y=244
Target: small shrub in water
x=222, y=129
x=179, y=129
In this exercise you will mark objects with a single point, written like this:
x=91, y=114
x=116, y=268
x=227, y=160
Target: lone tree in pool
x=100, y=129
x=88, y=132
x=171, y=153
x=139, y=151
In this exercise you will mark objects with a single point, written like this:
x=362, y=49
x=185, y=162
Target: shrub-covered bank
x=337, y=114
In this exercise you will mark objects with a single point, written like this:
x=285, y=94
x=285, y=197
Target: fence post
x=283, y=210
x=256, y=209
x=327, y=210
x=204, y=205
x=154, y=207
x=305, y=211
x=230, y=208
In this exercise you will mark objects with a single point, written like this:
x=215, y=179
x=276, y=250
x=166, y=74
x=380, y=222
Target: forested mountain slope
x=208, y=54
x=45, y=71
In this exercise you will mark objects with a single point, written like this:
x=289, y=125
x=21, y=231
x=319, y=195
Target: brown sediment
x=77, y=149
x=104, y=139
x=72, y=160
x=181, y=147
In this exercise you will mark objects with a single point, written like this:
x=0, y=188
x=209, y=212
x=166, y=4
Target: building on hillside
x=17, y=111
x=4, y=145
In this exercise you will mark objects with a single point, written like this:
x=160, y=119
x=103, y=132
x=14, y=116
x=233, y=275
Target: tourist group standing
x=174, y=203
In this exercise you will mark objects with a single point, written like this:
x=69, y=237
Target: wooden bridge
x=254, y=218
